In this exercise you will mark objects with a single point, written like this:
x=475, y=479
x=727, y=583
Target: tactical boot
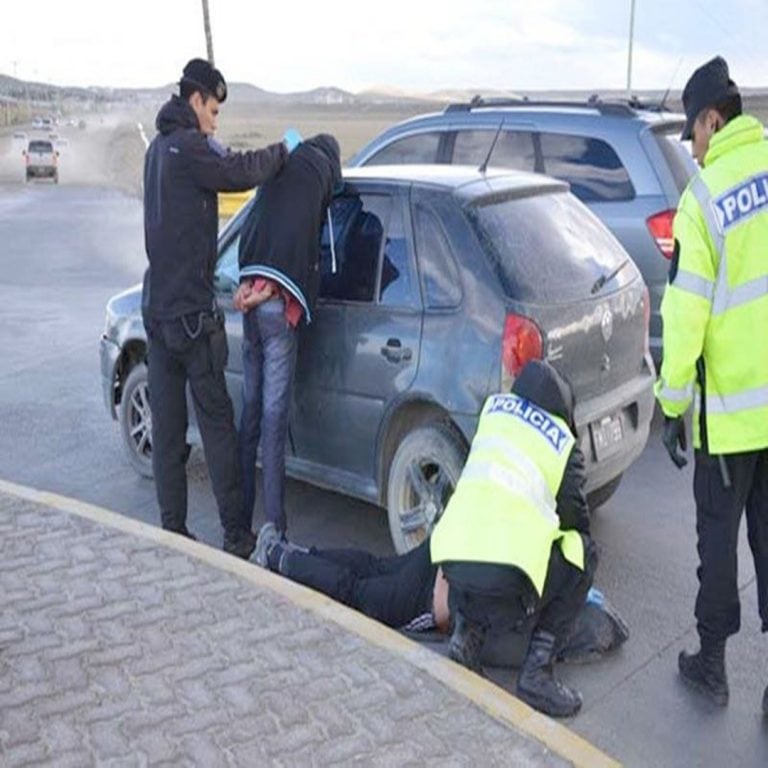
x=705, y=671
x=536, y=681
x=240, y=544
x=467, y=643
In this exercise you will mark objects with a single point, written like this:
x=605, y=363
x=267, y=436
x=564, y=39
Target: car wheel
x=136, y=420
x=423, y=474
x=600, y=496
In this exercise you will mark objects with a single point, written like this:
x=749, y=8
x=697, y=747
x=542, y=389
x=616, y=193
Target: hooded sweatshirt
x=280, y=238
x=183, y=171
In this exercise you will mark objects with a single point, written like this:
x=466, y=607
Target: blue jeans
x=269, y=362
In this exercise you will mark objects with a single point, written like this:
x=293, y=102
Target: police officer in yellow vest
x=514, y=541
x=715, y=313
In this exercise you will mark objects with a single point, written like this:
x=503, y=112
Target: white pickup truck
x=42, y=160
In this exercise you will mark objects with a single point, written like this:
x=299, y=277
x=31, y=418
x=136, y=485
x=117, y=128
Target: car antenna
x=663, y=104
x=484, y=164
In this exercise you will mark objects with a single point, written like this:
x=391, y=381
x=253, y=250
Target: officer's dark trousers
x=174, y=358
x=508, y=599
x=718, y=517
x=392, y=590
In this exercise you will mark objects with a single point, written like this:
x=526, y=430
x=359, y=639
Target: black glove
x=674, y=436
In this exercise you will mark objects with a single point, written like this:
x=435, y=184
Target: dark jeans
x=269, y=362
x=513, y=602
x=173, y=359
x=718, y=517
x=392, y=590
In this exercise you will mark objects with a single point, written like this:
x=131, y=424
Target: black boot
x=536, y=681
x=705, y=671
x=467, y=643
x=765, y=701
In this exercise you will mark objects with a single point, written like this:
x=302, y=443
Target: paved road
x=67, y=249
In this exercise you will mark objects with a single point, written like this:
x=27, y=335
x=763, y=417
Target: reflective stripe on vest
x=695, y=284
x=723, y=298
x=741, y=401
x=676, y=395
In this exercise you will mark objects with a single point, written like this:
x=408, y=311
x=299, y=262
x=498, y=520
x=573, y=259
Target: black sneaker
x=241, y=545
x=183, y=532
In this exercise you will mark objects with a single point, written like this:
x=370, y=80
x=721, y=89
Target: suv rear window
x=679, y=160
x=40, y=146
x=546, y=248
x=589, y=165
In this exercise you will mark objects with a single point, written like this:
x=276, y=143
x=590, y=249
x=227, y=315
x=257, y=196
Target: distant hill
x=13, y=89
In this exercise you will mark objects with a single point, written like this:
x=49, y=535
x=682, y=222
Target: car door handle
x=394, y=351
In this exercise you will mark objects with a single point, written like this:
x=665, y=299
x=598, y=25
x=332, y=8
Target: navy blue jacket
x=280, y=238
x=183, y=172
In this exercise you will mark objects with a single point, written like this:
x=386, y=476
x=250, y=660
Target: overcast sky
x=417, y=45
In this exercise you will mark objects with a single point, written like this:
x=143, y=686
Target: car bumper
x=41, y=171
x=633, y=403
x=109, y=353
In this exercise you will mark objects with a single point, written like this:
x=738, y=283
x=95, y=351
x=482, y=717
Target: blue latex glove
x=291, y=139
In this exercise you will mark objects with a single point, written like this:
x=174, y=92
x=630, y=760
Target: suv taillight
x=660, y=227
x=520, y=343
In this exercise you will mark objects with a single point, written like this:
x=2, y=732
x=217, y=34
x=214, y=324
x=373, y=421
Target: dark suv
x=448, y=281
x=623, y=160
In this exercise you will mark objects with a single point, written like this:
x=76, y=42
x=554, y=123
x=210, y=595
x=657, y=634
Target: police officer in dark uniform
x=184, y=169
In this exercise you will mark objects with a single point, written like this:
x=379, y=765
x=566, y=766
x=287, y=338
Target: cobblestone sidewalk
x=118, y=650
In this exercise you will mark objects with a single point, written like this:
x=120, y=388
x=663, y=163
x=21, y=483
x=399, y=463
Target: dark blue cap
x=201, y=74
x=710, y=84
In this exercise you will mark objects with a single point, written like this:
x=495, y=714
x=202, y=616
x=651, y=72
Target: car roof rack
x=619, y=108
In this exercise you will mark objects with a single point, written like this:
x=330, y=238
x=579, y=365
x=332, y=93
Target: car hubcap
x=428, y=489
x=140, y=418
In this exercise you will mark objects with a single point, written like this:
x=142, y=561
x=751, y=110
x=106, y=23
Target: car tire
x=136, y=420
x=422, y=476
x=600, y=496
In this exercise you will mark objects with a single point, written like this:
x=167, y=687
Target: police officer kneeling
x=514, y=540
x=184, y=168
x=715, y=312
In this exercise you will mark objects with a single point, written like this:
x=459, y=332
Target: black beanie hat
x=200, y=73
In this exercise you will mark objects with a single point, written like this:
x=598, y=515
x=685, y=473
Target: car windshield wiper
x=603, y=279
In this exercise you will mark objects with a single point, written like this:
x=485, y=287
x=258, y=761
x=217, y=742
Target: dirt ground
x=109, y=151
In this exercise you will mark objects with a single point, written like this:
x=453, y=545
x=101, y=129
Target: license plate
x=607, y=434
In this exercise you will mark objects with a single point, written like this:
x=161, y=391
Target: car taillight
x=520, y=343
x=660, y=227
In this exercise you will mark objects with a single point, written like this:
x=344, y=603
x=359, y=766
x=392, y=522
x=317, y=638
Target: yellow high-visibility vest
x=503, y=509
x=716, y=305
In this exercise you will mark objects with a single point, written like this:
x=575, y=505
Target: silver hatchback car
x=449, y=280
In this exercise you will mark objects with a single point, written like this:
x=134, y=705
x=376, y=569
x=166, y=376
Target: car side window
x=590, y=166
x=419, y=148
x=396, y=286
x=514, y=149
x=439, y=274
x=359, y=223
x=226, y=278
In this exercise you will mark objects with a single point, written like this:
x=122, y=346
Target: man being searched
x=279, y=273
x=184, y=169
x=715, y=312
x=514, y=540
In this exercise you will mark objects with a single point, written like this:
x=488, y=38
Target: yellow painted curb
x=486, y=695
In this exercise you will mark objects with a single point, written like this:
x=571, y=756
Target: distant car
x=623, y=160
x=449, y=280
x=42, y=160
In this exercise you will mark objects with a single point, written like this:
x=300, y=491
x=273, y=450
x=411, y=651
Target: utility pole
x=208, y=34
x=629, y=57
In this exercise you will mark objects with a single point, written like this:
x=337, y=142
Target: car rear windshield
x=681, y=164
x=547, y=248
x=40, y=146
